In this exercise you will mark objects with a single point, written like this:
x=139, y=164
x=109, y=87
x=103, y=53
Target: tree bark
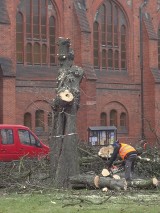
x=143, y=184
x=99, y=182
x=95, y=181
x=63, y=140
x=88, y=181
x=111, y=183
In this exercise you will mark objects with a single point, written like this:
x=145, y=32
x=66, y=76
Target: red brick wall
x=9, y=101
x=108, y=91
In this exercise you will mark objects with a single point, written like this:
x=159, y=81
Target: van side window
x=25, y=137
x=7, y=136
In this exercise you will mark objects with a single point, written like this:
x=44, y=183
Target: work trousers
x=129, y=167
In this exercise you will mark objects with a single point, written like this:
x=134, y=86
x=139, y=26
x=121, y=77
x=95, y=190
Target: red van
x=17, y=141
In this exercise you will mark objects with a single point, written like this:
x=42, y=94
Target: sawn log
x=95, y=181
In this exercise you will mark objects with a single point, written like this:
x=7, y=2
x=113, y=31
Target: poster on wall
x=93, y=140
x=102, y=138
x=111, y=138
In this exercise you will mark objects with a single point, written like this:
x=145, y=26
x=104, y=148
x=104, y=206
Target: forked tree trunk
x=63, y=139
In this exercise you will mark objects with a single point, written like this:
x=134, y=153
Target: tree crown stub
x=69, y=76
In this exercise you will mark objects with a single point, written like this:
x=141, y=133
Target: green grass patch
x=81, y=202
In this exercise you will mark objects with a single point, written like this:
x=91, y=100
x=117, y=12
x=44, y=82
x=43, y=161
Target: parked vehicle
x=17, y=141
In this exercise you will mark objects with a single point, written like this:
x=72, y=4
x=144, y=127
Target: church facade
x=116, y=42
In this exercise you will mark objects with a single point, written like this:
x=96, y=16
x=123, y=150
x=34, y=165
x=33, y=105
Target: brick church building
x=116, y=42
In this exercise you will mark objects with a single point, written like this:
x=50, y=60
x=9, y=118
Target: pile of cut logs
x=106, y=181
x=110, y=180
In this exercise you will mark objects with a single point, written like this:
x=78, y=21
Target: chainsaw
x=116, y=169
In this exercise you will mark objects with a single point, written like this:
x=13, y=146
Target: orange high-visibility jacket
x=125, y=149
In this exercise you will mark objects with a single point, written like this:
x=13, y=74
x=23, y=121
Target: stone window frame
x=116, y=118
x=109, y=40
x=46, y=52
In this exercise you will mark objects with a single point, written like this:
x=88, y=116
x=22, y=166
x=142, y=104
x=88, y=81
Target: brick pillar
x=8, y=99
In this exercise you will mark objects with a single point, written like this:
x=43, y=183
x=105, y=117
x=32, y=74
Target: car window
x=33, y=140
x=7, y=136
x=26, y=137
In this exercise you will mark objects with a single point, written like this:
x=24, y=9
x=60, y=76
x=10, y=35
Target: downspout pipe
x=141, y=67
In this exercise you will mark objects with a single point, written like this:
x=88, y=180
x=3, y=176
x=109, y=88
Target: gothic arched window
x=28, y=120
x=123, y=120
x=113, y=118
x=19, y=38
x=110, y=37
x=39, y=116
x=103, y=119
x=36, y=23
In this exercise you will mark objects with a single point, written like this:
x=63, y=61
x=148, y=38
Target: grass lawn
x=81, y=202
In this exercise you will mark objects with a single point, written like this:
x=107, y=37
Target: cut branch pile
x=146, y=174
x=24, y=175
x=33, y=175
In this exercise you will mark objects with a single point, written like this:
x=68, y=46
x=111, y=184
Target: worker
x=126, y=153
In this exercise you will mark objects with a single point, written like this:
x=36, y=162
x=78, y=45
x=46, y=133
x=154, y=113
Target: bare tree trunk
x=68, y=160
x=63, y=140
x=56, y=142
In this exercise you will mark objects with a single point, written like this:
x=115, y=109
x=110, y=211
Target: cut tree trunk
x=95, y=181
x=143, y=184
x=86, y=180
x=66, y=96
x=111, y=183
x=107, y=173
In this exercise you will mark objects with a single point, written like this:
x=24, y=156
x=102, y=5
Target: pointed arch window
x=110, y=34
x=113, y=118
x=96, y=45
x=103, y=119
x=52, y=39
x=29, y=53
x=36, y=30
x=39, y=116
x=116, y=59
x=103, y=25
x=28, y=120
x=110, y=59
x=159, y=48
x=50, y=119
x=44, y=54
x=123, y=119
x=104, y=59
x=123, y=123
x=36, y=53
x=123, y=47
x=19, y=37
